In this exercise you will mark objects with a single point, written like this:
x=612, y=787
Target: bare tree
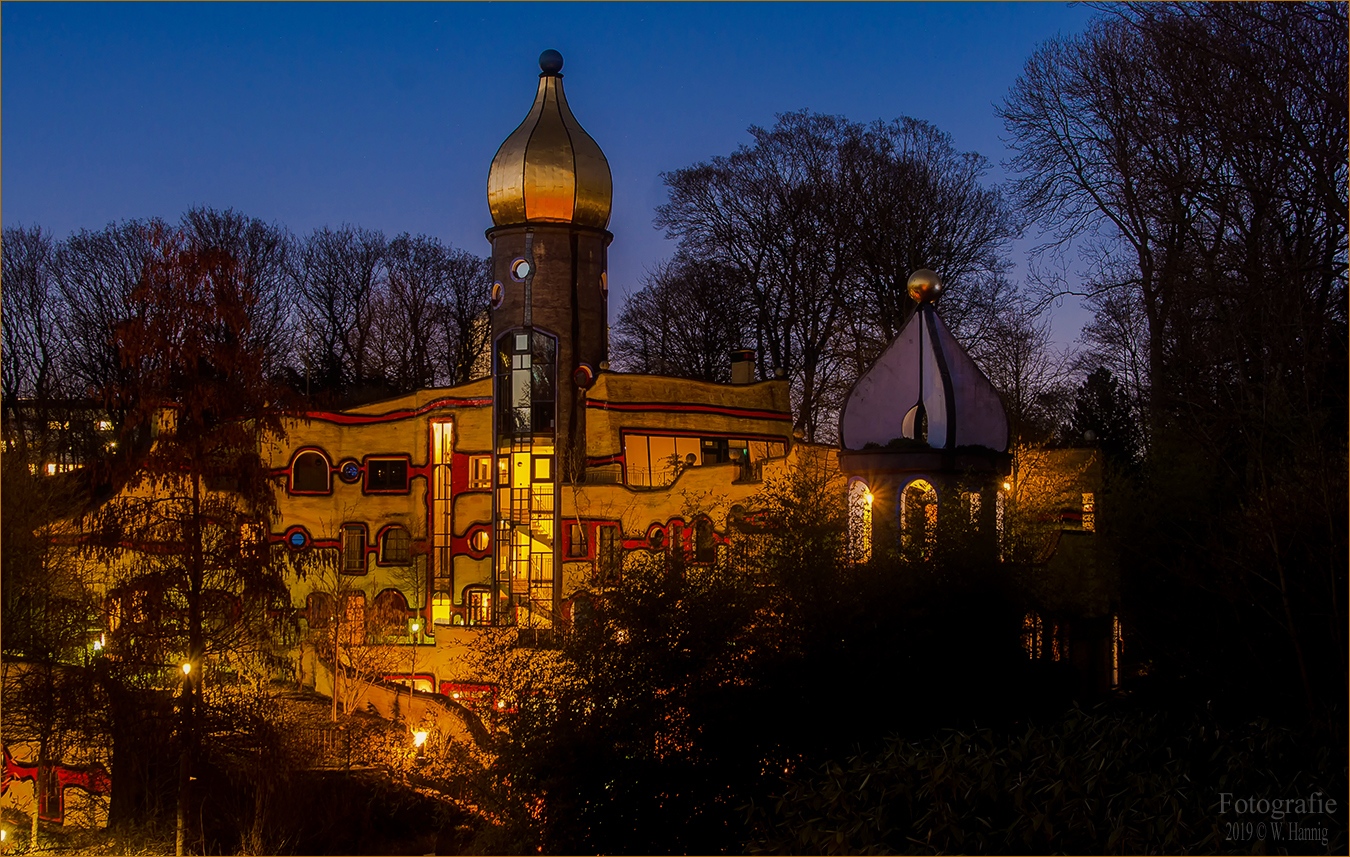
x=338, y=277
x=435, y=310
x=684, y=322
x=821, y=221
x=1200, y=149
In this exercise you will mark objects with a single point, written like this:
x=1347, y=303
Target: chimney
x=743, y=366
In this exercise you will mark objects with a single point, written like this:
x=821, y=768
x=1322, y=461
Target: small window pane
x=397, y=546
x=354, y=549
x=388, y=474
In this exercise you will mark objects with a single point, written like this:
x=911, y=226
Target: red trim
x=394, y=416
x=596, y=461
x=290, y=472
x=672, y=408
x=92, y=778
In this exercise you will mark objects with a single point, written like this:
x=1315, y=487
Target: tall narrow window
x=918, y=521
x=609, y=554
x=576, y=540
x=859, y=521
x=354, y=549
x=442, y=505
x=480, y=605
x=1089, y=512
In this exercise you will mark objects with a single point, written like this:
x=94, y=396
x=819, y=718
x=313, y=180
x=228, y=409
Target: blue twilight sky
x=387, y=115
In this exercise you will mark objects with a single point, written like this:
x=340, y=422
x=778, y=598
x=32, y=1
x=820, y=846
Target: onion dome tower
x=923, y=430
x=550, y=194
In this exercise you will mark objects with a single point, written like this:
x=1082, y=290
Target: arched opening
x=319, y=609
x=918, y=517
x=396, y=546
x=390, y=615
x=860, y=501
x=310, y=473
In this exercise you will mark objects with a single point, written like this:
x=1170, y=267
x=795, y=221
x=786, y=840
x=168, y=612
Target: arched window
x=310, y=473
x=396, y=547
x=859, y=521
x=390, y=614
x=442, y=608
x=918, y=517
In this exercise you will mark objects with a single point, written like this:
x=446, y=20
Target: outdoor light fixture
x=868, y=498
x=419, y=737
x=1007, y=486
x=416, y=627
x=187, y=668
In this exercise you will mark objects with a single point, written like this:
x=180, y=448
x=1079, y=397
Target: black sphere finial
x=550, y=62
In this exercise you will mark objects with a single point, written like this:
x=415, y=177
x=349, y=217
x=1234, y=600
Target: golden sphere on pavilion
x=550, y=170
x=925, y=286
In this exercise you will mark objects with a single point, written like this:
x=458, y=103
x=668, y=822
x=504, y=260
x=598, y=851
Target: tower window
x=859, y=521
x=918, y=521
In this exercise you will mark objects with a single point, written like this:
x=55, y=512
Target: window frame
x=384, y=535
x=372, y=461
x=327, y=472
x=357, y=531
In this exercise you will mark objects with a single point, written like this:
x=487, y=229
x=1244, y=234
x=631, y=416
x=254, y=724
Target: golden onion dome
x=550, y=170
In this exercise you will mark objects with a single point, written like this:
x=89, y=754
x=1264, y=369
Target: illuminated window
x=354, y=549
x=972, y=503
x=859, y=521
x=525, y=383
x=442, y=609
x=480, y=471
x=1089, y=512
x=387, y=474
x=397, y=547
x=310, y=473
x=479, y=601
x=918, y=517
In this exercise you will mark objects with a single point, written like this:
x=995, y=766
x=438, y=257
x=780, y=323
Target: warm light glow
x=419, y=738
x=455, y=695
x=187, y=669
x=98, y=644
x=416, y=627
x=501, y=703
x=1007, y=486
x=868, y=497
